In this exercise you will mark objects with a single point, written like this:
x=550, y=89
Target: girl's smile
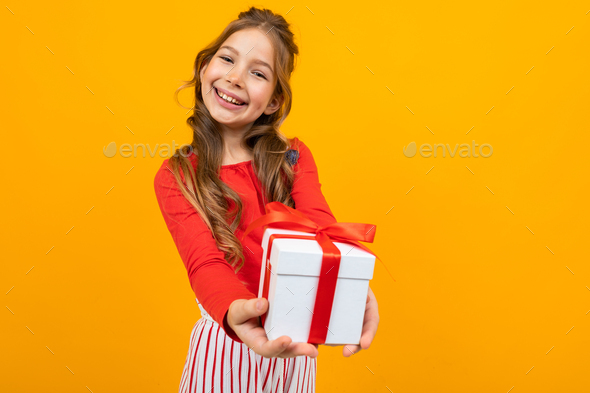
x=223, y=102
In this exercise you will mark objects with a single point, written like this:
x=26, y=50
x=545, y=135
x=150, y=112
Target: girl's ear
x=274, y=105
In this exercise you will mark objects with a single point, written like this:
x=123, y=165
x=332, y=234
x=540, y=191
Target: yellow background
x=490, y=254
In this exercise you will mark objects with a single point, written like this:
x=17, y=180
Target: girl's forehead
x=248, y=41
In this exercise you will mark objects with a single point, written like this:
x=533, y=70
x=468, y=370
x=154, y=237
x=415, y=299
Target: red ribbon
x=279, y=215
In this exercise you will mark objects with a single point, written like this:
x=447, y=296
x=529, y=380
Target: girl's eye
x=256, y=72
x=229, y=60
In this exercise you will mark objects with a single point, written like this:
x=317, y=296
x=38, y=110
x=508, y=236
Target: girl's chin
x=228, y=122
x=229, y=119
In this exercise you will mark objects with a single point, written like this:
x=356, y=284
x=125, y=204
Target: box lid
x=304, y=257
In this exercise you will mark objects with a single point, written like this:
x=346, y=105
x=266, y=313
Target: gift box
x=289, y=279
x=316, y=278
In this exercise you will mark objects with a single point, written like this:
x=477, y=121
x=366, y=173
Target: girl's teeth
x=233, y=101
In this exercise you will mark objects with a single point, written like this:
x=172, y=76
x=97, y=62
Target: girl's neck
x=234, y=151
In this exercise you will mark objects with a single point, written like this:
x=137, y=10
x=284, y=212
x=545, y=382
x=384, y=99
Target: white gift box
x=296, y=265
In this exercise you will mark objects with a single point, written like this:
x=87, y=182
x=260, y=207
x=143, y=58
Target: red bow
x=279, y=215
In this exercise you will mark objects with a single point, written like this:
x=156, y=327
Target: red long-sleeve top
x=211, y=277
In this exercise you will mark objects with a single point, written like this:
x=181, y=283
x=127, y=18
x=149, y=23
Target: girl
x=209, y=192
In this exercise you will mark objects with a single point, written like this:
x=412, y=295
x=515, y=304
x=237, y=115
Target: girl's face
x=243, y=69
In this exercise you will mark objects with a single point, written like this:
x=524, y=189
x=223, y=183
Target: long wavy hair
x=205, y=191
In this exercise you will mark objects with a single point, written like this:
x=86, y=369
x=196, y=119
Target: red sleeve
x=306, y=191
x=211, y=277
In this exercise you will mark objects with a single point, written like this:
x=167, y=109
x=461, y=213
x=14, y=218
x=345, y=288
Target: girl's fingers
x=350, y=350
x=300, y=349
x=370, y=330
x=247, y=310
x=370, y=324
x=274, y=348
x=255, y=337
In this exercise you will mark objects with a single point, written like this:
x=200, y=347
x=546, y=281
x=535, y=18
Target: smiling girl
x=209, y=192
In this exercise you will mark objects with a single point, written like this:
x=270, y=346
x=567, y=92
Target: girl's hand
x=242, y=317
x=370, y=323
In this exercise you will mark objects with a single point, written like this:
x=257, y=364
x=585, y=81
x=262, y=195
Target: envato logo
x=126, y=150
x=465, y=150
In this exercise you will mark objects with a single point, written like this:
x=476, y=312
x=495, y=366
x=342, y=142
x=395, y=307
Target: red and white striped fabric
x=216, y=363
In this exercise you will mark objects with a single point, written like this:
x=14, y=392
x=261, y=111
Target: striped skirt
x=216, y=363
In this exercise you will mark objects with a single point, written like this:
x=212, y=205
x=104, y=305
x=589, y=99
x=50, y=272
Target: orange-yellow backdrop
x=490, y=255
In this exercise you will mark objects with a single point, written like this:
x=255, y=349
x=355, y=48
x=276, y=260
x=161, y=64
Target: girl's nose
x=234, y=77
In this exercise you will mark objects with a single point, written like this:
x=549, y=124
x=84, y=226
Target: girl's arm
x=211, y=277
x=307, y=192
